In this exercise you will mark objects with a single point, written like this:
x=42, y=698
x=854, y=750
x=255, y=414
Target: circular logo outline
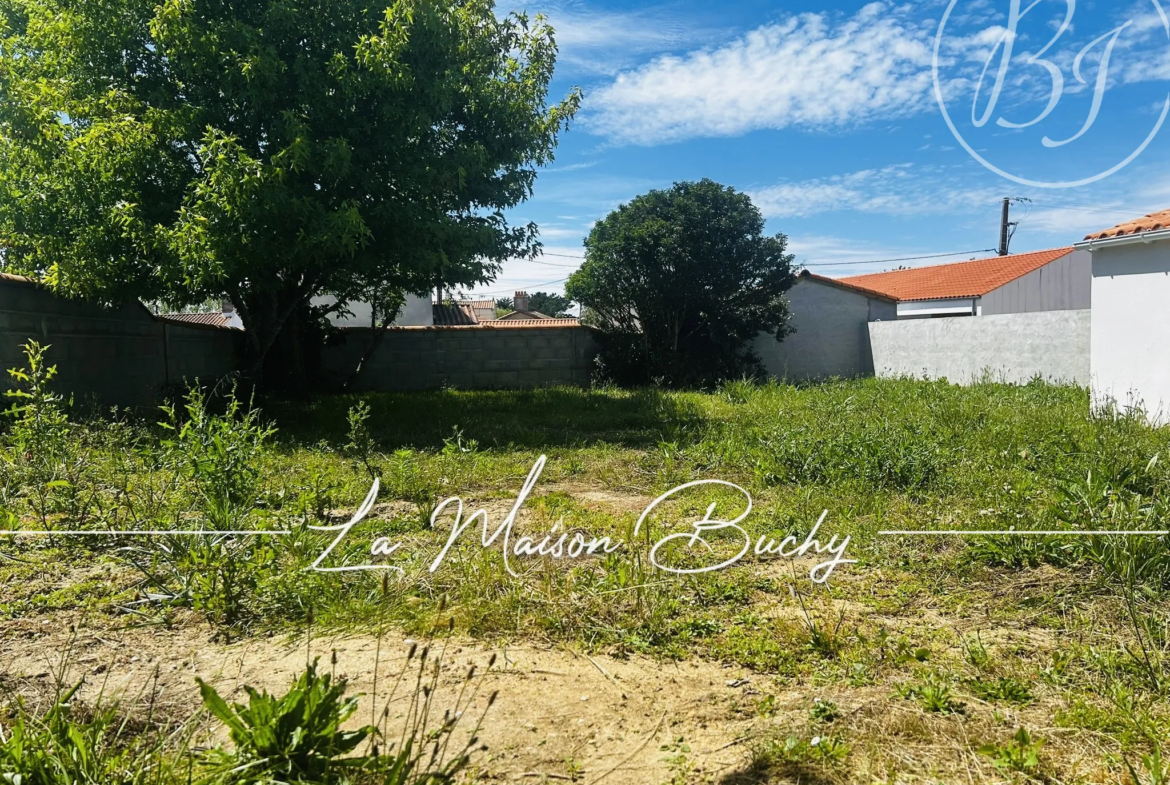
x=1022, y=180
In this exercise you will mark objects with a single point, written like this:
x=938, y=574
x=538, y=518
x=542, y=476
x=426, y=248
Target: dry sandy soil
x=560, y=714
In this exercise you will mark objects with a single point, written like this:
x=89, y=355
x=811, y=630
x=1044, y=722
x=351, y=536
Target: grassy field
x=931, y=659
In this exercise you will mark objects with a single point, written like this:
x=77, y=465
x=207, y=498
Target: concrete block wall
x=465, y=357
x=829, y=333
x=1013, y=348
x=114, y=356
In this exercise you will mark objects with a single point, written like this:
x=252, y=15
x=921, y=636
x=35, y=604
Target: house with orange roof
x=1053, y=280
x=1130, y=336
x=834, y=320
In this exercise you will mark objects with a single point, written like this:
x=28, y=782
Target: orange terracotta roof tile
x=546, y=322
x=959, y=279
x=1147, y=223
x=216, y=319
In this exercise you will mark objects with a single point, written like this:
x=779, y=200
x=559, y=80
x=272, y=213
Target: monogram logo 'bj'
x=1004, y=62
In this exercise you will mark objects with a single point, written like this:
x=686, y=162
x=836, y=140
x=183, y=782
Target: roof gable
x=959, y=279
x=841, y=284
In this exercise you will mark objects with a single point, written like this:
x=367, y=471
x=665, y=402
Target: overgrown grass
x=877, y=454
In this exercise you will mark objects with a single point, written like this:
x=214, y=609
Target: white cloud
x=811, y=71
x=892, y=190
x=838, y=256
x=605, y=43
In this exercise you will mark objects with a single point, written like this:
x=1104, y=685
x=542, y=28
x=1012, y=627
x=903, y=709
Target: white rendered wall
x=1130, y=346
x=1013, y=348
x=416, y=312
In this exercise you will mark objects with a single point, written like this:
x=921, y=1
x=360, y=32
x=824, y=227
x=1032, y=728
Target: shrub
x=681, y=282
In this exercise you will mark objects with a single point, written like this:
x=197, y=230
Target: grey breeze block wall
x=427, y=358
x=1013, y=348
x=120, y=355
x=831, y=336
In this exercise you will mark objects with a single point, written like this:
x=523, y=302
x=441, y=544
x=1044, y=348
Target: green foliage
x=1019, y=754
x=932, y=695
x=681, y=282
x=361, y=444
x=219, y=576
x=296, y=738
x=795, y=752
x=219, y=454
x=64, y=746
x=1149, y=769
x=824, y=711
x=549, y=304
x=269, y=151
x=218, y=459
x=1002, y=689
x=42, y=458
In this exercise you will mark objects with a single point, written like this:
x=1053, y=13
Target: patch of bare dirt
x=559, y=713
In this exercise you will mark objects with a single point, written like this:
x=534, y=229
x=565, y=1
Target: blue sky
x=827, y=115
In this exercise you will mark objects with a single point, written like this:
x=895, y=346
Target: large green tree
x=269, y=150
x=681, y=281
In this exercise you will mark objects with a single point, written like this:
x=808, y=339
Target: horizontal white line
x=1029, y=533
x=183, y=532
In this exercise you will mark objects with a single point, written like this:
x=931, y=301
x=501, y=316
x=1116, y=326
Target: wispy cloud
x=812, y=71
x=829, y=255
x=902, y=189
x=592, y=43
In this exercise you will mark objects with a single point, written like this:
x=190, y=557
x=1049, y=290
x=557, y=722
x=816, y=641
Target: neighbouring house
x=225, y=318
x=521, y=311
x=830, y=320
x=1131, y=315
x=485, y=310
x=1052, y=280
x=416, y=312
x=1029, y=318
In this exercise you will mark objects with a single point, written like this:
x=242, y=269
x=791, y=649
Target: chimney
x=227, y=307
x=520, y=301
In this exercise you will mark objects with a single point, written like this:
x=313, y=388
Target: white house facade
x=1130, y=335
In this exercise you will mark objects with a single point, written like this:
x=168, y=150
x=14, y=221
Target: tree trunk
x=276, y=327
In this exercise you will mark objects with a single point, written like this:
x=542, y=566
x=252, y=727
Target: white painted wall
x=1130, y=345
x=416, y=312
x=1013, y=348
x=925, y=309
